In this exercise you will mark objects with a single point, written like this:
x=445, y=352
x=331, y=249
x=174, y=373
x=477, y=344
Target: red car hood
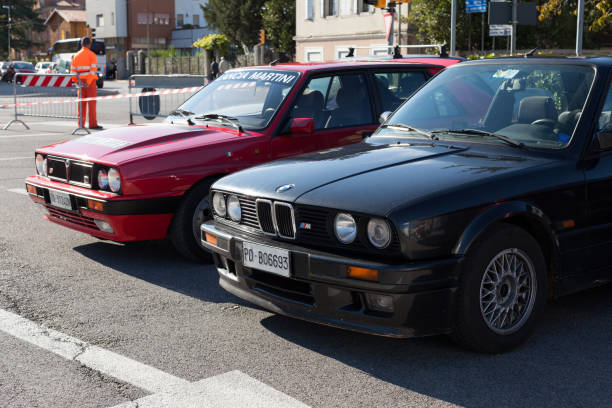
x=121, y=145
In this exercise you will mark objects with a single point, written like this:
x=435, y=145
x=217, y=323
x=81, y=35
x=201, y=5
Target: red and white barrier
x=100, y=98
x=55, y=81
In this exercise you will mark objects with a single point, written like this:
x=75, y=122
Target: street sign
x=500, y=30
x=388, y=17
x=475, y=6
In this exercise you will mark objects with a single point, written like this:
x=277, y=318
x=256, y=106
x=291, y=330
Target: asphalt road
x=150, y=327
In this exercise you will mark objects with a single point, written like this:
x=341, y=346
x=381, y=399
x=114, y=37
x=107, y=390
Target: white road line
x=17, y=190
x=232, y=389
x=16, y=158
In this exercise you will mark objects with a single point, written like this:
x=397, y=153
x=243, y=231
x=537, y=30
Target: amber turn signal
x=356, y=272
x=211, y=239
x=31, y=189
x=95, y=205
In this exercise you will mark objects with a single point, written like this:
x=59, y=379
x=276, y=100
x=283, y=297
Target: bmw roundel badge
x=284, y=188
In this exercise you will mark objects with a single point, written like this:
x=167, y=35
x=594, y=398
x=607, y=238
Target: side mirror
x=384, y=116
x=603, y=138
x=302, y=126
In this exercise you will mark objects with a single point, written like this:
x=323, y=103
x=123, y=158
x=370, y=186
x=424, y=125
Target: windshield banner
x=280, y=77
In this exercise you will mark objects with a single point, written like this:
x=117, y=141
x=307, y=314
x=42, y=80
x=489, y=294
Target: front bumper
x=131, y=220
x=319, y=289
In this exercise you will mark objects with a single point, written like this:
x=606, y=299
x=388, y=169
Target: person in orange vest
x=85, y=67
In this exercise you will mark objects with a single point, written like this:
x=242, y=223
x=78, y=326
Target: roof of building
x=72, y=16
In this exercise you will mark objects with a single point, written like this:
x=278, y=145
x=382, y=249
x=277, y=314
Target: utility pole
x=580, y=28
x=9, y=31
x=453, y=39
x=514, y=24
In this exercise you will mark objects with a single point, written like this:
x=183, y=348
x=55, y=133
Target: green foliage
x=239, y=20
x=170, y=52
x=214, y=42
x=278, y=18
x=24, y=21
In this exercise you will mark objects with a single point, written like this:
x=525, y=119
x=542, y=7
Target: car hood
x=120, y=145
x=377, y=176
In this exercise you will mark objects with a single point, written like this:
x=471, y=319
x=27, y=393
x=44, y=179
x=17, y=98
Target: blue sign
x=475, y=6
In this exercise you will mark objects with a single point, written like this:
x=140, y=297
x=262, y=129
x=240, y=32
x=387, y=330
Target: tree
x=213, y=42
x=278, y=18
x=24, y=20
x=598, y=13
x=239, y=20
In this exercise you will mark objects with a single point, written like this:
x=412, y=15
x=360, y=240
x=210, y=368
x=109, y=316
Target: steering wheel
x=544, y=122
x=268, y=112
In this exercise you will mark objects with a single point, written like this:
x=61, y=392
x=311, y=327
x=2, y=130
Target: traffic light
x=262, y=37
x=376, y=3
x=93, y=33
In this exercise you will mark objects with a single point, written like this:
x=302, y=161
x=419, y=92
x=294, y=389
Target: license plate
x=61, y=200
x=269, y=259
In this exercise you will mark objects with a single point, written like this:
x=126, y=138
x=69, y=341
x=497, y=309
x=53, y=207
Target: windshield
x=534, y=104
x=250, y=96
x=24, y=65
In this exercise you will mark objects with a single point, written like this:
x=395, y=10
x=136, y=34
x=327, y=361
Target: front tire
x=502, y=291
x=185, y=229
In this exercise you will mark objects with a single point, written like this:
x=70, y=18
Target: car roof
x=316, y=66
x=603, y=61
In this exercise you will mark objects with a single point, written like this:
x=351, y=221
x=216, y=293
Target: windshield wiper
x=503, y=138
x=223, y=118
x=184, y=113
x=410, y=129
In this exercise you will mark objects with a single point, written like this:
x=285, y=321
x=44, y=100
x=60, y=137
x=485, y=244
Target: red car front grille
x=71, y=217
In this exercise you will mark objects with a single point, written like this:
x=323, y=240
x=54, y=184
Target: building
x=63, y=24
x=150, y=23
x=107, y=20
x=44, y=8
x=189, y=25
x=325, y=29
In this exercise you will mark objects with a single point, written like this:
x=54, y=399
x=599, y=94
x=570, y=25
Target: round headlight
x=114, y=180
x=219, y=205
x=233, y=208
x=345, y=228
x=41, y=165
x=102, y=179
x=379, y=233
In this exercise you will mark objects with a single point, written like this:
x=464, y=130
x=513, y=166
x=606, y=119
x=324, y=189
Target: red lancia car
x=150, y=182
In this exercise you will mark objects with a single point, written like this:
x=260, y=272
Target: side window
x=335, y=101
x=605, y=118
x=395, y=87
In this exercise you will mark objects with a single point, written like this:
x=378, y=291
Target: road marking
x=18, y=190
x=232, y=389
x=16, y=158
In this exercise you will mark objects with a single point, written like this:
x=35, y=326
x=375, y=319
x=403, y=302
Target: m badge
x=305, y=225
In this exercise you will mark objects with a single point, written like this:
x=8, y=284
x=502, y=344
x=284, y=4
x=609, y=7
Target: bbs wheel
x=185, y=229
x=502, y=292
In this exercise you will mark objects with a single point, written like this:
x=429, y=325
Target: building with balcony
x=326, y=29
x=189, y=25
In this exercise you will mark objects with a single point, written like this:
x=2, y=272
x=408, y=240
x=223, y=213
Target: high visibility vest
x=85, y=66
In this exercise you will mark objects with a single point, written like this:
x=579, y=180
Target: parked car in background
x=3, y=67
x=146, y=183
x=486, y=193
x=45, y=67
x=18, y=67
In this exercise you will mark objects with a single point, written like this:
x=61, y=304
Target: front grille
x=56, y=168
x=279, y=286
x=72, y=217
x=67, y=170
x=285, y=223
x=249, y=212
x=80, y=174
x=264, y=214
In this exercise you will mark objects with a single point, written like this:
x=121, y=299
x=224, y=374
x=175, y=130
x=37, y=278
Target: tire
x=185, y=229
x=491, y=314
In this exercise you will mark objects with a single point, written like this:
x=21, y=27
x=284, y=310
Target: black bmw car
x=484, y=194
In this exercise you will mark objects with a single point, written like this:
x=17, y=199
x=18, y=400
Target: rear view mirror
x=384, y=116
x=302, y=126
x=603, y=138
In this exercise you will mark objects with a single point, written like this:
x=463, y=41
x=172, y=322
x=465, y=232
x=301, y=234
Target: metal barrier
x=159, y=106
x=29, y=90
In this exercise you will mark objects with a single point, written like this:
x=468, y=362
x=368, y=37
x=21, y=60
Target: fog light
x=104, y=226
x=379, y=303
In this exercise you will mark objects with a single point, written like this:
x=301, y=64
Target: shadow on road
x=565, y=363
x=157, y=262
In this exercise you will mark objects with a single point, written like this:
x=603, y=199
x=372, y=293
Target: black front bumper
x=319, y=289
